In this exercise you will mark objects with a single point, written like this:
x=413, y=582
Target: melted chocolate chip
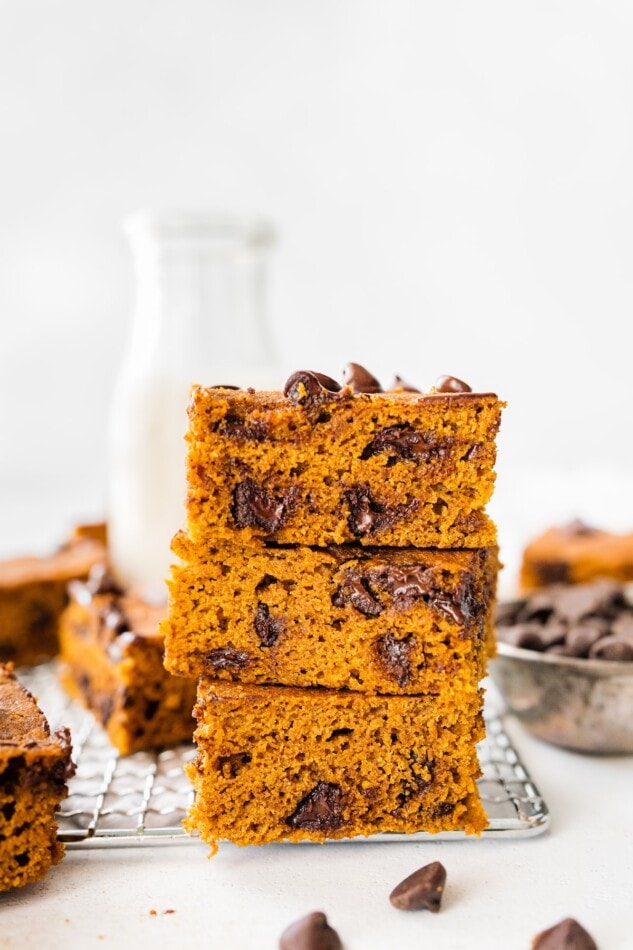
x=223, y=386
x=566, y=935
x=370, y=517
x=234, y=427
x=311, y=932
x=355, y=591
x=421, y=890
x=256, y=508
x=267, y=628
x=450, y=384
x=360, y=380
x=226, y=658
x=309, y=389
x=395, y=657
x=405, y=442
x=320, y=810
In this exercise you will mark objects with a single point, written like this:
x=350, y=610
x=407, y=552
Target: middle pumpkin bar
x=375, y=620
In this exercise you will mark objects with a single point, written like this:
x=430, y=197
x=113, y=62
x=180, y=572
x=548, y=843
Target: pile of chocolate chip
x=592, y=621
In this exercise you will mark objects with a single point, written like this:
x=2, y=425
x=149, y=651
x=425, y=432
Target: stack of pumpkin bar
x=333, y=596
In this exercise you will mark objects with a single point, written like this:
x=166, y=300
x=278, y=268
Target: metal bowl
x=580, y=704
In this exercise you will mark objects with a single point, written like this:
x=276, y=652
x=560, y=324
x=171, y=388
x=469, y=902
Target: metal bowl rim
x=578, y=664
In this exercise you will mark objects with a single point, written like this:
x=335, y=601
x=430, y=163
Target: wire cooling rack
x=143, y=798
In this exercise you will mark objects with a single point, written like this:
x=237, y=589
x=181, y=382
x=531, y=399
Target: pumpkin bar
x=386, y=620
x=320, y=464
x=288, y=764
x=33, y=595
x=575, y=553
x=111, y=656
x=34, y=767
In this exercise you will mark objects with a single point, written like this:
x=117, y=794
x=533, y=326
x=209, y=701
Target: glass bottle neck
x=200, y=297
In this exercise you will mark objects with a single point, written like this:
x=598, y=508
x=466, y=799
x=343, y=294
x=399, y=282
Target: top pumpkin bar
x=321, y=464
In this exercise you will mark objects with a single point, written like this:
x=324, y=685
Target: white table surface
x=499, y=893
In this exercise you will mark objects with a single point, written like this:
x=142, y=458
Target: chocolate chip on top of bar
x=310, y=389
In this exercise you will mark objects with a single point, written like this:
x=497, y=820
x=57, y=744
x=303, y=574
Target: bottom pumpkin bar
x=111, y=656
x=279, y=763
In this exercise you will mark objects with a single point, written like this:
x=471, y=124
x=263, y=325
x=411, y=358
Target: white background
x=450, y=182
x=452, y=188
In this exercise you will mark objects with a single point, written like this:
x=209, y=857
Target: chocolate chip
x=580, y=600
x=309, y=389
x=226, y=658
x=422, y=890
x=223, y=386
x=254, y=507
x=523, y=635
x=368, y=516
x=551, y=572
x=566, y=935
x=405, y=442
x=395, y=656
x=623, y=626
x=399, y=385
x=450, y=384
x=612, y=648
x=355, y=591
x=267, y=628
x=360, y=380
x=320, y=810
x=41, y=619
x=579, y=639
x=311, y=932
x=577, y=529
x=235, y=427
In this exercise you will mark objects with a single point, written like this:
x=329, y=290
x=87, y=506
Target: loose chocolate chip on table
x=320, y=810
x=450, y=384
x=307, y=388
x=421, y=890
x=566, y=935
x=311, y=932
x=360, y=380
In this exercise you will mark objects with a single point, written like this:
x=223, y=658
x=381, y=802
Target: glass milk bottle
x=199, y=317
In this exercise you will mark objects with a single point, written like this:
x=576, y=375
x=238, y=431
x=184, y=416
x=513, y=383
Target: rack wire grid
x=143, y=798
